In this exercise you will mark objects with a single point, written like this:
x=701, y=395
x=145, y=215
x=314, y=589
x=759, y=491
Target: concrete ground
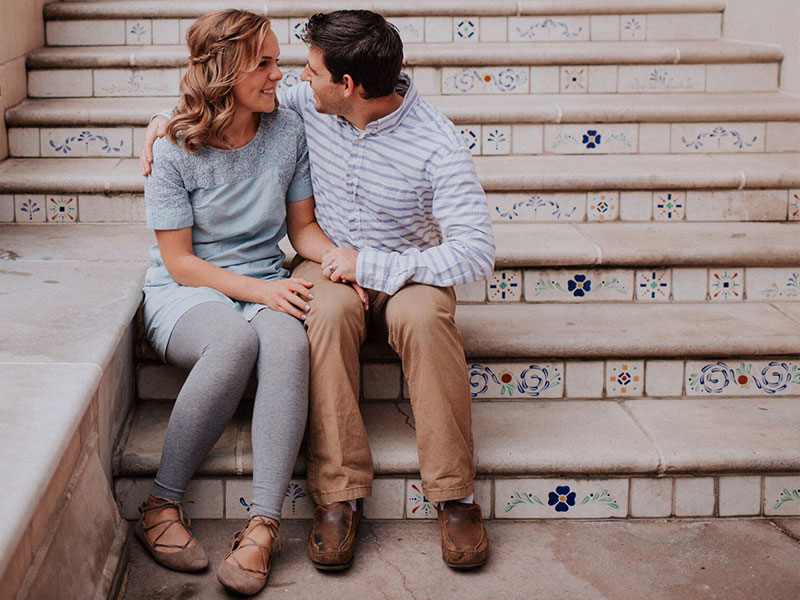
x=722, y=558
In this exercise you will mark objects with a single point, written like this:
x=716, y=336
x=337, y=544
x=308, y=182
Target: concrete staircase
x=638, y=341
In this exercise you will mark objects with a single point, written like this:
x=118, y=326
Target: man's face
x=328, y=96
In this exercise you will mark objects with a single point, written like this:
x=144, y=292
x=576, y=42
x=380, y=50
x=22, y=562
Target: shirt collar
x=405, y=87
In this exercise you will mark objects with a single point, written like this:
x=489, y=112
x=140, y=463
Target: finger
x=301, y=281
x=362, y=295
x=299, y=302
x=285, y=306
x=301, y=292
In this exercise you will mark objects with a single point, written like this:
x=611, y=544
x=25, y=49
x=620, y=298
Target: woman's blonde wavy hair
x=223, y=47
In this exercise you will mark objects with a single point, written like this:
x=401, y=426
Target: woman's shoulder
x=286, y=120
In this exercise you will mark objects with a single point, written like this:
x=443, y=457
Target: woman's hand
x=287, y=295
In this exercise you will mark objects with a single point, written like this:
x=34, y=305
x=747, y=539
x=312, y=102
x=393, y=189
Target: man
x=396, y=192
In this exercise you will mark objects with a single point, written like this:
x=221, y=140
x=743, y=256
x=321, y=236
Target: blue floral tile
x=633, y=27
x=712, y=138
x=561, y=498
x=487, y=80
x=771, y=284
x=30, y=208
x=591, y=139
x=138, y=32
x=537, y=207
x=471, y=134
x=466, y=29
x=507, y=381
x=661, y=78
x=737, y=377
x=548, y=29
x=563, y=285
x=496, y=139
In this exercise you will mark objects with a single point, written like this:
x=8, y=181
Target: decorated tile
x=496, y=139
x=661, y=78
x=653, y=285
x=564, y=285
x=515, y=380
x=62, y=209
x=591, y=139
x=138, y=32
x=548, y=29
x=537, y=207
x=466, y=29
x=669, y=206
x=128, y=82
x=387, y=500
x=411, y=29
x=726, y=285
x=505, y=286
x=794, y=205
x=782, y=495
x=574, y=80
x=624, y=378
x=736, y=377
x=723, y=137
x=166, y=31
x=417, y=505
x=471, y=134
x=561, y=498
x=86, y=142
x=297, y=503
x=773, y=284
x=291, y=78
x=602, y=206
x=297, y=27
x=633, y=27
x=486, y=80
x=29, y=208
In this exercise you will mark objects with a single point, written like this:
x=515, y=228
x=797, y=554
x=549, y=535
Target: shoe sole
x=339, y=567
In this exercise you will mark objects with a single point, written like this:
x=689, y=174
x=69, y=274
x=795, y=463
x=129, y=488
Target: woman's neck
x=241, y=130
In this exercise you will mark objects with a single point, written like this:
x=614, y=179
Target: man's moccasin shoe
x=465, y=544
x=333, y=535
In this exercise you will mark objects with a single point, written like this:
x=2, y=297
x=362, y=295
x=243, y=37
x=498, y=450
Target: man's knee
x=335, y=305
x=421, y=309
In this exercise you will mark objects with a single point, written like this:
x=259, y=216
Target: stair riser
x=545, y=207
x=433, y=29
x=749, y=494
x=501, y=80
x=558, y=380
x=486, y=140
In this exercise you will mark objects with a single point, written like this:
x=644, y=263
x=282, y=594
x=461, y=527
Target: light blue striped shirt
x=403, y=192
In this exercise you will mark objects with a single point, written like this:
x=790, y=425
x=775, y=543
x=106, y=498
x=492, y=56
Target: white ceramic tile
x=280, y=27
x=574, y=79
x=689, y=285
x=387, y=500
x=428, y=80
x=138, y=134
x=515, y=380
x=110, y=142
x=291, y=78
x=690, y=26
x=653, y=285
x=739, y=496
x=783, y=137
x=624, y=378
x=654, y=138
x=733, y=205
x=60, y=83
x=483, y=496
x=584, y=379
x=6, y=208
x=23, y=141
x=561, y=498
x=632, y=27
x=773, y=284
x=493, y=29
x=111, y=209
x=527, y=139
x=206, y=497
x=485, y=80
x=758, y=77
x=661, y=78
x=603, y=79
x=669, y=206
x=651, y=497
x=601, y=138
x=411, y=29
x=726, y=284
x=138, y=32
x=556, y=207
x=717, y=137
x=438, y=29
x=548, y=29
x=471, y=292
x=694, y=496
x=472, y=136
x=635, y=206
x=604, y=27
x=417, y=505
x=505, y=286
x=664, y=378
x=602, y=206
x=466, y=29
x=29, y=208
x=380, y=381
x=166, y=31
x=782, y=495
x=297, y=503
x=545, y=80
x=794, y=205
x=127, y=82
x=591, y=285
x=496, y=139
x=297, y=28
x=86, y=33
x=742, y=377
x=61, y=208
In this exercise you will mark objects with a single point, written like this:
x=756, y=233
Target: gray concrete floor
x=722, y=558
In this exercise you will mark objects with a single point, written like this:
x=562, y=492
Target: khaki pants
x=418, y=322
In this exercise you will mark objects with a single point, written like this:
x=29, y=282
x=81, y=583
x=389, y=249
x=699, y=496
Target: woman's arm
x=287, y=295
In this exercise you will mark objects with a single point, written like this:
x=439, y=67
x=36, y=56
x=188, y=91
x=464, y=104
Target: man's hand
x=339, y=264
x=155, y=129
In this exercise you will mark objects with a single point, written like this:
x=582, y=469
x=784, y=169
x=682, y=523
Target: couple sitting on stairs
x=395, y=219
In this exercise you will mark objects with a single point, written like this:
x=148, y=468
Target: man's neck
x=365, y=112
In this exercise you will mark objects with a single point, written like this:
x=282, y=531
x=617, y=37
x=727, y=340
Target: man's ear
x=350, y=87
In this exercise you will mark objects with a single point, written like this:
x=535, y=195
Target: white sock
x=352, y=503
x=466, y=500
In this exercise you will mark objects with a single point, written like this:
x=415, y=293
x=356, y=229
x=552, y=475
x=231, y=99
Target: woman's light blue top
x=234, y=201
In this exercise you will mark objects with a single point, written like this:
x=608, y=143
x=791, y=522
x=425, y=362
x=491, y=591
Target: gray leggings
x=220, y=348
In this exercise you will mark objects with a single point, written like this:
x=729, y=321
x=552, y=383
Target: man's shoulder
x=429, y=123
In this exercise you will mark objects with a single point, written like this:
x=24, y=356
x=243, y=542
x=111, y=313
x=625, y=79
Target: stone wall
x=770, y=21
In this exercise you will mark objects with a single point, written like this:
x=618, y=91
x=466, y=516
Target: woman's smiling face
x=257, y=91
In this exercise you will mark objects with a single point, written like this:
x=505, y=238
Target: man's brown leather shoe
x=465, y=544
x=333, y=535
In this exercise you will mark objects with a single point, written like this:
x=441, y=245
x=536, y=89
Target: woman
x=231, y=173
